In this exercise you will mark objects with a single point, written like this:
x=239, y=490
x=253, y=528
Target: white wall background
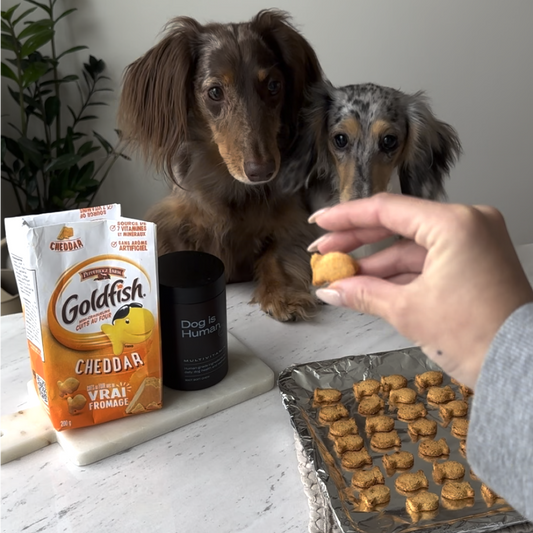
x=474, y=59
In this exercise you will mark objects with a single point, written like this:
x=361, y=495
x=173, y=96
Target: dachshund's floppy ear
x=298, y=60
x=153, y=106
x=432, y=149
x=320, y=97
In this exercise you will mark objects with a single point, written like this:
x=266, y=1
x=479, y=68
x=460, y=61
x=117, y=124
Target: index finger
x=402, y=215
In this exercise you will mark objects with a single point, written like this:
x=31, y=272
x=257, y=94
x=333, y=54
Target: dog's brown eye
x=215, y=93
x=274, y=87
x=340, y=140
x=389, y=142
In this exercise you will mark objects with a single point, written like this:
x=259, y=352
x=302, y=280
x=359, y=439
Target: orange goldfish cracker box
x=88, y=284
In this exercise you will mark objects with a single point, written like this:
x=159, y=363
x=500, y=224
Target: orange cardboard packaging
x=88, y=284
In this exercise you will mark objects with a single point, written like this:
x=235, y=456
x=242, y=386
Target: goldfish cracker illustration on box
x=88, y=281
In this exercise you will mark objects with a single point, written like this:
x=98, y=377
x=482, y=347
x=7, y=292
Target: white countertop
x=235, y=471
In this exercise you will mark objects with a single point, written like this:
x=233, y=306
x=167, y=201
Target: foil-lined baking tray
x=297, y=384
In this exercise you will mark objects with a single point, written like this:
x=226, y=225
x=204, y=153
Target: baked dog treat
x=440, y=394
x=370, y=405
x=457, y=490
x=422, y=427
x=460, y=427
x=376, y=495
x=398, y=461
x=356, y=459
x=432, y=378
x=408, y=412
x=462, y=448
x=473, y=475
x=368, y=478
x=349, y=443
x=434, y=448
x=331, y=267
x=385, y=440
x=489, y=495
x=393, y=382
x=447, y=470
x=452, y=409
x=330, y=413
x=404, y=395
x=457, y=505
x=411, y=481
x=421, y=503
x=343, y=427
x=327, y=396
x=381, y=423
x=463, y=389
x=368, y=387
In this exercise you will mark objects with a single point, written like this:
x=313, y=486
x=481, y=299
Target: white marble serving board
x=29, y=430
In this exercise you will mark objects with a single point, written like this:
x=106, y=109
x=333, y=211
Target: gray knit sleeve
x=500, y=437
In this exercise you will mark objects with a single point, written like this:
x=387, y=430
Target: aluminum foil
x=297, y=384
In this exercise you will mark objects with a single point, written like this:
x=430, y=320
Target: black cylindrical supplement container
x=194, y=337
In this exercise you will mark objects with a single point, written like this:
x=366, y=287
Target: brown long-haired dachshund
x=216, y=107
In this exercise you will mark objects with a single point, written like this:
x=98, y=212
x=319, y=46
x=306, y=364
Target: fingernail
x=313, y=247
x=329, y=296
x=316, y=214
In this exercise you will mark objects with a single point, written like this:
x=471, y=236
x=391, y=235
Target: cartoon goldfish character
x=131, y=324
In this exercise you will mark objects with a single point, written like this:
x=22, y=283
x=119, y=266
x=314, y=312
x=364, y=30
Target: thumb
x=373, y=296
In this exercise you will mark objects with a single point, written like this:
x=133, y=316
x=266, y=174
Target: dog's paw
x=286, y=306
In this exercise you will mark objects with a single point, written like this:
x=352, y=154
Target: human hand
x=448, y=286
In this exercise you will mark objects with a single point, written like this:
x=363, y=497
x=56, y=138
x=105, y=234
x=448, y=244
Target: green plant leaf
x=31, y=149
x=87, y=117
x=87, y=148
x=63, y=161
x=86, y=173
x=24, y=15
x=35, y=27
x=8, y=73
x=52, y=107
x=9, y=42
x=97, y=103
x=35, y=42
x=33, y=73
x=56, y=200
x=72, y=113
x=94, y=67
x=5, y=26
x=13, y=147
x=16, y=128
x=65, y=14
x=66, y=79
x=27, y=98
x=6, y=15
x=33, y=201
x=4, y=148
x=72, y=50
x=105, y=144
x=42, y=6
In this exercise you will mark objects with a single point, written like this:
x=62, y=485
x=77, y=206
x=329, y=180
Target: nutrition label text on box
x=133, y=246
x=131, y=229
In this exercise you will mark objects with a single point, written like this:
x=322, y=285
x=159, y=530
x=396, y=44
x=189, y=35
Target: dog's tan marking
x=262, y=74
x=232, y=155
x=350, y=126
x=380, y=127
x=228, y=78
x=381, y=175
x=346, y=172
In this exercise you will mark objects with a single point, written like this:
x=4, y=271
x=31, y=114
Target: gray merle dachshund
x=362, y=134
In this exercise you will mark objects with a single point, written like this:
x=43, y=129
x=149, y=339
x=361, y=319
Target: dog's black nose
x=259, y=170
